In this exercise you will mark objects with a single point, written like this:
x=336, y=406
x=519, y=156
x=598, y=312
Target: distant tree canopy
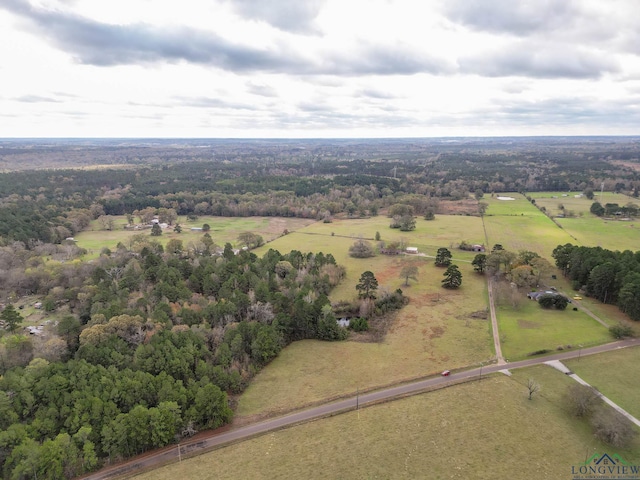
x=272, y=180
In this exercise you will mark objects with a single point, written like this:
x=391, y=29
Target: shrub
x=612, y=427
x=361, y=249
x=582, y=400
x=359, y=324
x=620, y=331
x=539, y=352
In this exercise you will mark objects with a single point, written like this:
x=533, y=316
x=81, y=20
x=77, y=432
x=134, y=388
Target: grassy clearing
x=615, y=374
x=223, y=230
x=337, y=237
x=518, y=225
x=531, y=328
x=480, y=430
x=580, y=205
x=592, y=231
x=435, y=331
x=587, y=229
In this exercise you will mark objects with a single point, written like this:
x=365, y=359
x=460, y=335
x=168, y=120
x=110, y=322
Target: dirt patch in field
x=389, y=273
x=427, y=300
x=437, y=332
x=458, y=207
x=277, y=225
x=528, y=324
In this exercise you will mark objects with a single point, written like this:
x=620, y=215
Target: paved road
x=217, y=439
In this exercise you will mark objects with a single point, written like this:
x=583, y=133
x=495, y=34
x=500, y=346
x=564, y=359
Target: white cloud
x=202, y=68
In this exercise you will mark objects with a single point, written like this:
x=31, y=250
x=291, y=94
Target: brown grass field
x=434, y=332
x=479, y=430
x=615, y=374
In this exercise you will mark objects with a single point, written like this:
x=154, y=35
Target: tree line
x=610, y=276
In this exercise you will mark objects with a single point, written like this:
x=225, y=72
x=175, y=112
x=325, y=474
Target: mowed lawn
x=435, y=331
x=530, y=328
x=479, y=430
x=519, y=225
x=615, y=374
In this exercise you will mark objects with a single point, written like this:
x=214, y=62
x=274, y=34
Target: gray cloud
x=101, y=44
x=520, y=17
x=377, y=94
x=212, y=102
x=571, y=111
x=289, y=15
x=531, y=59
x=95, y=43
x=387, y=60
x=36, y=99
x=262, y=90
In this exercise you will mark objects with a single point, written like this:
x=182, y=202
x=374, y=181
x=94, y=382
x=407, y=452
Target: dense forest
x=154, y=342
x=304, y=178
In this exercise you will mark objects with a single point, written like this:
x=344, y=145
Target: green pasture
x=615, y=374
x=530, y=328
x=587, y=229
x=444, y=231
x=576, y=202
x=337, y=237
x=592, y=231
x=518, y=206
x=519, y=225
x=435, y=331
x=223, y=230
x=479, y=430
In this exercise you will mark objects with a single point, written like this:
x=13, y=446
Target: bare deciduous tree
x=612, y=427
x=582, y=399
x=533, y=387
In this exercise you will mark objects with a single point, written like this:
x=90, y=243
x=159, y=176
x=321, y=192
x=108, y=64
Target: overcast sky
x=318, y=68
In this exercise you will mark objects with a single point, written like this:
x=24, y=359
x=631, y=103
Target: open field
x=587, y=229
x=518, y=225
x=475, y=430
x=615, y=374
x=223, y=230
x=531, y=328
x=338, y=236
x=416, y=344
x=579, y=205
x=434, y=332
x=592, y=231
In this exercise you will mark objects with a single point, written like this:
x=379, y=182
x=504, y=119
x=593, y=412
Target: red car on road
x=446, y=373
